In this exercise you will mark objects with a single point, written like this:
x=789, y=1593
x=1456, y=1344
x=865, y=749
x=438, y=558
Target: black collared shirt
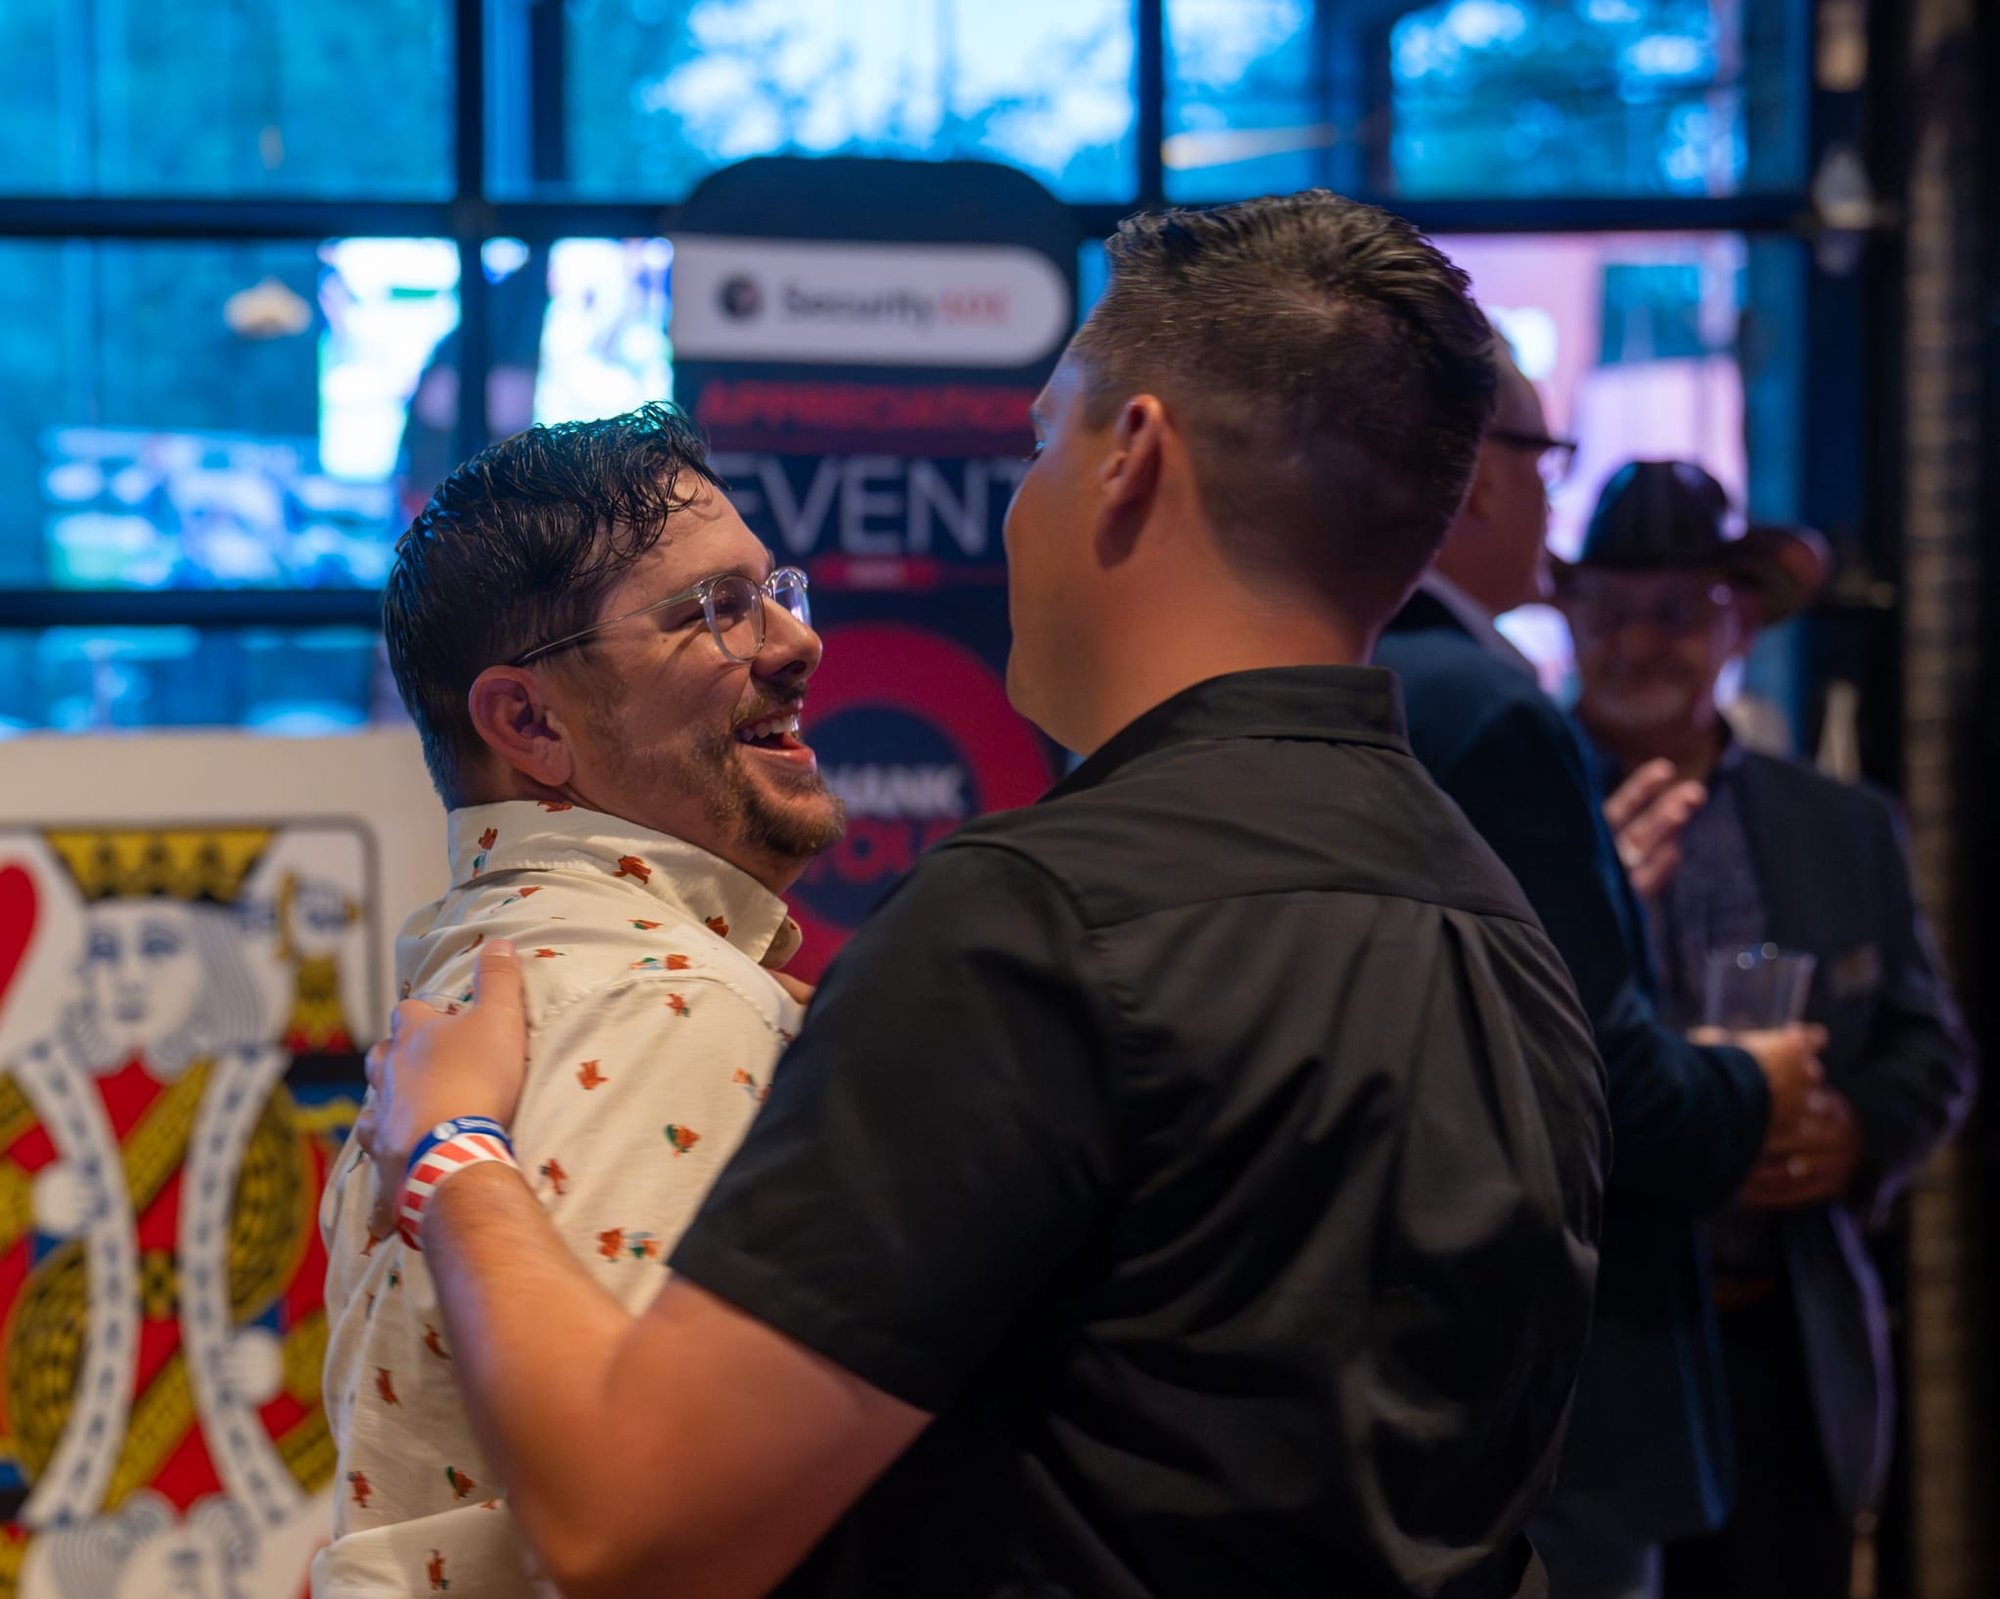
x=1215, y=1149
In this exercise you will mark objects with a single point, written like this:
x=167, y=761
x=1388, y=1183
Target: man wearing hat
x=1645, y=1461
x=1666, y=593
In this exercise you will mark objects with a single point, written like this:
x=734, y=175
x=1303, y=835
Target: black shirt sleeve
x=937, y=1143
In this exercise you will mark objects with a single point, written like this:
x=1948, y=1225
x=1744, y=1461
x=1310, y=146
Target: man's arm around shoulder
x=692, y=1440
x=851, y=1280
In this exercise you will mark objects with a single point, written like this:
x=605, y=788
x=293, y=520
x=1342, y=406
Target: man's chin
x=793, y=814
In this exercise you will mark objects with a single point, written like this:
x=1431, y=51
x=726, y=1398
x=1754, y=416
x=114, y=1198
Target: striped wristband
x=449, y=1147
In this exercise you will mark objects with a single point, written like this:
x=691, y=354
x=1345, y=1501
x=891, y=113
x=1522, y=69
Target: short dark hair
x=520, y=545
x=1330, y=366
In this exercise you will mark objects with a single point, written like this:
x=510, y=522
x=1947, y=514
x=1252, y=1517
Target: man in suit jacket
x=1647, y=1459
x=1780, y=858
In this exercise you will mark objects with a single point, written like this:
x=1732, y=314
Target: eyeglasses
x=1554, y=457
x=732, y=604
x=1677, y=613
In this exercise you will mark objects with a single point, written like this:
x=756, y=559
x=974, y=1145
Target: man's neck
x=1152, y=676
x=1693, y=747
x=1463, y=579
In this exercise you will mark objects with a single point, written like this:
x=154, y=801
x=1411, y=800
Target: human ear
x=1477, y=505
x=513, y=718
x=1129, y=474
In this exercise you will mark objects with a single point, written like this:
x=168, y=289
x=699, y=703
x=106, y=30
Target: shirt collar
x=543, y=835
x=1469, y=614
x=1337, y=704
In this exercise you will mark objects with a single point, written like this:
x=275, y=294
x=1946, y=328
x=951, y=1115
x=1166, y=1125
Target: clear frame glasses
x=1678, y=612
x=732, y=604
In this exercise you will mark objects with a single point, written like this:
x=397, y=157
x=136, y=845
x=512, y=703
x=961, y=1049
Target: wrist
x=450, y=1127
x=447, y=1149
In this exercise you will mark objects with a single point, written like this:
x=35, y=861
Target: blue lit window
x=1668, y=97
x=194, y=416
x=642, y=98
x=283, y=97
x=305, y=681
x=1243, y=109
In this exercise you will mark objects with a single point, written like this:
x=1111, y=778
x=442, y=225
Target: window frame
x=472, y=214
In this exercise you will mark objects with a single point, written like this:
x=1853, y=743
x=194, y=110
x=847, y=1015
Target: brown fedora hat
x=1656, y=516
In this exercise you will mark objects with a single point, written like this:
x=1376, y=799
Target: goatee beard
x=740, y=809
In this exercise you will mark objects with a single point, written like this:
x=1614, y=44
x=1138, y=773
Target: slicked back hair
x=1329, y=369
x=519, y=546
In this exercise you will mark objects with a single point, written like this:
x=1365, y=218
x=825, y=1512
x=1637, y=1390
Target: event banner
x=861, y=341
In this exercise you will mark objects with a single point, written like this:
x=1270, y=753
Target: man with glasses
x=1645, y=1460
x=1184, y=1186
x=607, y=677
x=1667, y=590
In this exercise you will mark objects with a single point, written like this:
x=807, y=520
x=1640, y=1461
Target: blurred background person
x=1643, y=1463
x=1661, y=599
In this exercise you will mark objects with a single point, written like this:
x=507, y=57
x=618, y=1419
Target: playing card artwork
x=181, y=1010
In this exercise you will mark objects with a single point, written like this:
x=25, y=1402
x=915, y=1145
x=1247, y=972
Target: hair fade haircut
x=520, y=545
x=1329, y=367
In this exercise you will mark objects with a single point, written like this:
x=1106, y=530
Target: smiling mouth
x=777, y=734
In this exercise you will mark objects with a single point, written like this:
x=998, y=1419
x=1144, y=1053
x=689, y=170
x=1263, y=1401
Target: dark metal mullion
x=470, y=224
x=469, y=104
x=539, y=221
x=1150, y=90
x=37, y=608
x=42, y=216
x=1326, y=98
x=1782, y=213
x=548, y=93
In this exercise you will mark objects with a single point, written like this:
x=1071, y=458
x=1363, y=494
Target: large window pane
x=306, y=681
x=211, y=415
x=1485, y=97
x=1245, y=107
x=295, y=97
x=1671, y=97
x=641, y=98
x=575, y=329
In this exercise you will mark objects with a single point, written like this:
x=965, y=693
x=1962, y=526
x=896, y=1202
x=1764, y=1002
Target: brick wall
x=1949, y=215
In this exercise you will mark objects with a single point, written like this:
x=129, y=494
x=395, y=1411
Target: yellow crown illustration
x=201, y=864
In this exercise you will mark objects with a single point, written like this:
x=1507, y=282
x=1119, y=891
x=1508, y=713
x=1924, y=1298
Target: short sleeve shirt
x=1215, y=1150
x=653, y=1026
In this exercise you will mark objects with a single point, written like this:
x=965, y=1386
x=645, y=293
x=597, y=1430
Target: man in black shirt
x=1188, y=1185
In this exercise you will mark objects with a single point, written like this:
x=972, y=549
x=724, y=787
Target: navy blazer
x=1829, y=859
x=1648, y=1448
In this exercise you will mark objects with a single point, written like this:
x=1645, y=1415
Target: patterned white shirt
x=653, y=1024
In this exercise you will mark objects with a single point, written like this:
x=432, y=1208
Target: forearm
x=533, y=1341
x=689, y=1437
x=1688, y=1121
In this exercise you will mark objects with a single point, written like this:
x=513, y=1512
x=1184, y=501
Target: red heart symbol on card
x=17, y=924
